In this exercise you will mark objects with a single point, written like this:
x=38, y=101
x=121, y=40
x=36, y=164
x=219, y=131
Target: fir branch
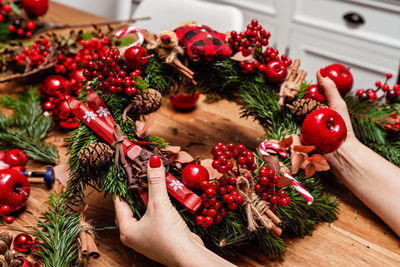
x=28, y=127
x=59, y=228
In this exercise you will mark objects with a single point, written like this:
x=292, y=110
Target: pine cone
x=96, y=154
x=147, y=102
x=305, y=106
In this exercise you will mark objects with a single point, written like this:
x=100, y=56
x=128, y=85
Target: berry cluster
x=391, y=95
x=112, y=78
x=214, y=210
x=255, y=37
x=222, y=153
x=22, y=29
x=35, y=55
x=4, y=210
x=266, y=187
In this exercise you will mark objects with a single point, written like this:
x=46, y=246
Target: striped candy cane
x=131, y=29
x=274, y=146
x=299, y=188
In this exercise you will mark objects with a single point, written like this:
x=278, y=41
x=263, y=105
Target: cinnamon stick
x=84, y=247
x=92, y=249
x=277, y=231
x=273, y=217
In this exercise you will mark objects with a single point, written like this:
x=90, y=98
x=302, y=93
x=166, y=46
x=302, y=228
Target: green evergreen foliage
x=59, y=228
x=28, y=127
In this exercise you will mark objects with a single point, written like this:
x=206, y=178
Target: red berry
x=223, y=160
x=8, y=219
x=204, y=212
x=232, y=180
x=263, y=171
x=271, y=173
x=212, y=212
x=30, y=25
x=228, y=198
x=282, y=193
x=228, y=154
x=222, y=169
x=206, y=205
x=222, y=190
x=217, y=205
x=5, y=209
x=20, y=31
x=250, y=160
x=11, y=28
x=274, y=199
x=372, y=95
x=230, y=146
x=218, y=219
x=230, y=188
x=215, y=164
x=210, y=192
x=240, y=148
x=204, y=185
x=229, y=165
x=396, y=87
x=214, y=185
x=264, y=195
x=359, y=92
x=223, y=212
x=223, y=180
x=284, y=201
x=389, y=75
x=254, y=22
x=258, y=188
x=241, y=160
x=232, y=206
x=385, y=87
x=212, y=200
x=263, y=180
x=199, y=219
x=378, y=83
x=276, y=179
x=239, y=199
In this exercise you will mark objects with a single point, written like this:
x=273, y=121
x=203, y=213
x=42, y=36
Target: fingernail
x=155, y=162
x=323, y=72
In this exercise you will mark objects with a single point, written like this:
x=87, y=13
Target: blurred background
x=361, y=34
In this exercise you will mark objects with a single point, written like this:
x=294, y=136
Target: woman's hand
x=161, y=234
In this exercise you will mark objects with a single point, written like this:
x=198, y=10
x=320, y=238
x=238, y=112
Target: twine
x=254, y=206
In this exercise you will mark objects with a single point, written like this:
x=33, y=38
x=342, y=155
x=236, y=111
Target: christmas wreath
x=239, y=195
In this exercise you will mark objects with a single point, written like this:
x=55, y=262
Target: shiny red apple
x=184, y=101
x=193, y=175
x=341, y=76
x=275, y=71
x=314, y=92
x=14, y=189
x=35, y=7
x=136, y=57
x=325, y=129
x=15, y=157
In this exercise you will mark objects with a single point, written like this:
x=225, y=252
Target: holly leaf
x=303, y=149
x=286, y=141
x=272, y=162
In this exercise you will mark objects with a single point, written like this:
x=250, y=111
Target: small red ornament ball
x=53, y=84
x=63, y=110
x=135, y=57
x=23, y=243
x=193, y=175
x=15, y=157
x=35, y=7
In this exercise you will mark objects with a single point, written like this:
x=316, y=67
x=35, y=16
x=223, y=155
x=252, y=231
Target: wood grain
x=357, y=238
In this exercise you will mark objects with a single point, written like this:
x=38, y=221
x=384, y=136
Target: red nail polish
x=155, y=162
x=323, y=72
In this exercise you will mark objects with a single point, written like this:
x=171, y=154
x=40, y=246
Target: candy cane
x=274, y=146
x=131, y=29
x=299, y=188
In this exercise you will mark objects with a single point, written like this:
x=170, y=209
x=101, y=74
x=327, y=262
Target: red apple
x=325, y=129
x=275, y=71
x=193, y=175
x=184, y=101
x=14, y=189
x=35, y=7
x=15, y=157
x=314, y=92
x=135, y=57
x=341, y=76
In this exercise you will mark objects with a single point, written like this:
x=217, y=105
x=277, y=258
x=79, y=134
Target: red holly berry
x=212, y=212
x=274, y=199
x=210, y=192
x=199, y=220
x=285, y=201
x=282, y=193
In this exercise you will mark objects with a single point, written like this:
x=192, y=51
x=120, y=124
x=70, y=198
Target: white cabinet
x=316, y=32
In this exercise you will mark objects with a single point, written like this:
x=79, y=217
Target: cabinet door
x=367, y=62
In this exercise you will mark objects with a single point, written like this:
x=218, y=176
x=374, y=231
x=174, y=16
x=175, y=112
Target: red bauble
x=14, y=189
x=341, y=76
x=184, y=101
x=53, y=84
x=135, y=57
x=15, y=157
x=64, y=110
x=275, y=71
x=325, y=129
x=25, y=263
x=35, y=7
x=76, y=75
x=193, y=175
x=314, y=92
x=22, y=243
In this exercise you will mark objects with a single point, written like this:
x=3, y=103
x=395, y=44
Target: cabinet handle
x=353, y=18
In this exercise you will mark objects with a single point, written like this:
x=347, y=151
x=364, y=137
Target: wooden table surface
x=357, y=238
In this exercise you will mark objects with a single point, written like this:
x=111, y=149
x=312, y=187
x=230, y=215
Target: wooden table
x=358, y=237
